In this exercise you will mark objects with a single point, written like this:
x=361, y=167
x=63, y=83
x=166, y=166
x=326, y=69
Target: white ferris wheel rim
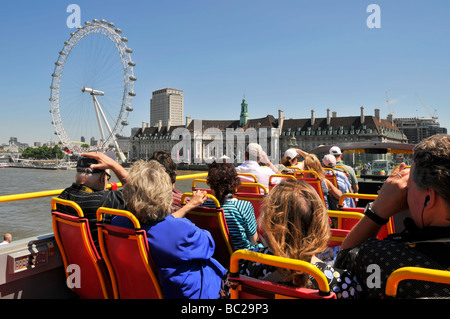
x=114, y=34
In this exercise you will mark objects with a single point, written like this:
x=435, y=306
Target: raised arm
x=390, y=201
x=106, y=162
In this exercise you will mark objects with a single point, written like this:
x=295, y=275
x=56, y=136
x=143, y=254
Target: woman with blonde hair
x=295, y=224
x=330, y=192
x=182, y=252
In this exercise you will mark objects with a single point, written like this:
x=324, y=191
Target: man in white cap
x=343, y=183
x=336, y=151
x=254, y=154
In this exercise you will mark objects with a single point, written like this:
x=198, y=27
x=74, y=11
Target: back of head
x=312, y=163
x=253, y=152
x=432, y=165
x=165, y=159
x=289, y=156
x=148, y=191
x=88, y=176
x=222, y=179
x=295, y=222
x=329, y=161
x=336, y=151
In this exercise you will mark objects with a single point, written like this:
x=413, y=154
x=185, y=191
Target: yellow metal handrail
x=416, y=273
x=353, y=195
x=282, y=262
x=33, y=195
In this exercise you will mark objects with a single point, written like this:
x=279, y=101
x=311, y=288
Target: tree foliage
x=43, y=152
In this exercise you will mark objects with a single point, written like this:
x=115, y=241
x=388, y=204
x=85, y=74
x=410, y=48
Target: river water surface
x=27, y=218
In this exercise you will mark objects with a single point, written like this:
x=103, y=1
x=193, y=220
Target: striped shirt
x=241, y=221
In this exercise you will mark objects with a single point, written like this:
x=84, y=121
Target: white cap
x=254, y=151
x=335, y=150
x=291, y=153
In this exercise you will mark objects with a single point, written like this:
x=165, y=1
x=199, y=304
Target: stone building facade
x=199, y=141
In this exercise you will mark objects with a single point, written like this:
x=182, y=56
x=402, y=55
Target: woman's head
x=295, y=223
x=148, y=191
x=222, y=179
x=290, y=157
x=312, y=163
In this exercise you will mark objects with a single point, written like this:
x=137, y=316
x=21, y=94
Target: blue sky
x=292, y=55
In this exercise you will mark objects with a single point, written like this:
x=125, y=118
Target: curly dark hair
x=165, y=159
x=222, y=179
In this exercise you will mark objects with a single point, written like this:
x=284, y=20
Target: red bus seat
x=312, y=178
x=344, y=222
x=127, y=256
x=244, y=287
x=255, y=198
x=75, y=243
x=385, y=229
x=279, y=177
x=331, y=176
x=213, y=220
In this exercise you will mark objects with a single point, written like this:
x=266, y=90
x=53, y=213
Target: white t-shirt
x=262, y=174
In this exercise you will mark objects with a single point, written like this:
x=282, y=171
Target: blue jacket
x=182, y=252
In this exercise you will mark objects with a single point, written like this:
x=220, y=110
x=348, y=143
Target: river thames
x=27, y=218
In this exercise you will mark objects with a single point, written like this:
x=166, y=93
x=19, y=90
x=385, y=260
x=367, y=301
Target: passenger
x=290, y=159
x=7, y=238
x=254, y=154
x=296, y=226
x=165, y=158
x=89, y=190
x=331, y=193
x=239, y=214
x=423, y=190
x=343, y=183
x=181, y=251
x=336, y=151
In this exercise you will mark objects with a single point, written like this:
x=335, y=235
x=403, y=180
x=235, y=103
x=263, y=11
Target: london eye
x=92, y=88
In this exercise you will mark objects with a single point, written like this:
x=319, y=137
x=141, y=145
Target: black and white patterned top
x=374, y=260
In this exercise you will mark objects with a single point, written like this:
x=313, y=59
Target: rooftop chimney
x=390, y=118
x=377, y=114
x=328, y=117
x=334, y=114
x=362, y=115
x=313, y=117
x=159, y=125
x=280, y=120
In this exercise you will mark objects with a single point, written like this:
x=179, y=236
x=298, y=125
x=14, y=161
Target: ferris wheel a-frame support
x=99, y=113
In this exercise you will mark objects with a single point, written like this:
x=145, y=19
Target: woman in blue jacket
x=181, y=251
